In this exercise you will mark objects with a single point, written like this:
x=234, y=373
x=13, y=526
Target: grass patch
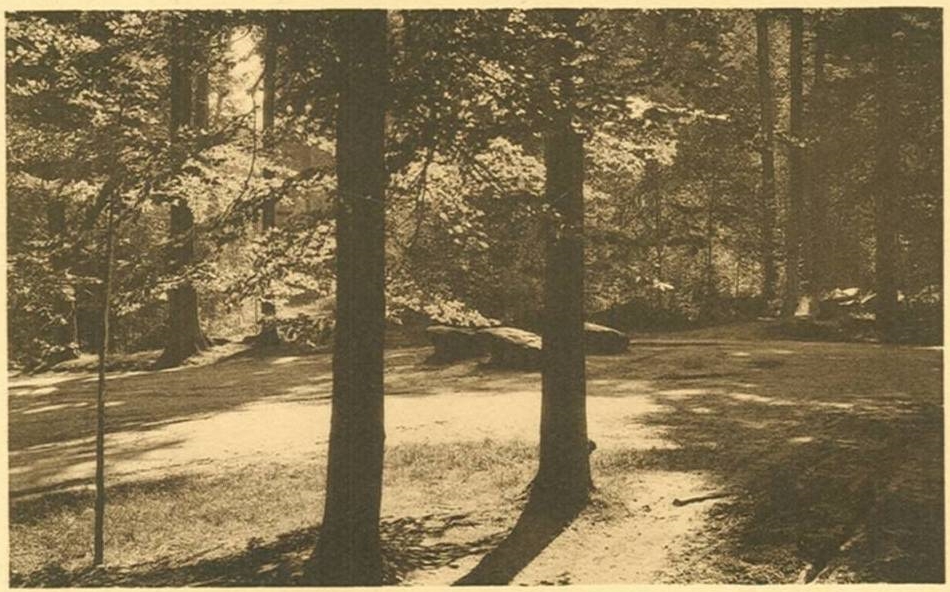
x=180, y=520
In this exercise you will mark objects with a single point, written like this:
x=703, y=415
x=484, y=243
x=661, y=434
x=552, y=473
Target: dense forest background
x=737, y=164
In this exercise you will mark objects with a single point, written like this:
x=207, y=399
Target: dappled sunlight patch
x=47, y=408
x=701, y=410
x=779, y=351
x=116, y=375
x=740, y=354
x=801, y=440
x=851, y=443
x=284, y=360
x=43, y=390
x=19, y=383
x=684, y=392
x=753, y=398
x=833, y=405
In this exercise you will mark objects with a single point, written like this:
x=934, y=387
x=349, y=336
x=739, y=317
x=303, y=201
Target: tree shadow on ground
x=536, y=528
x=816, y=488
x=409, y=544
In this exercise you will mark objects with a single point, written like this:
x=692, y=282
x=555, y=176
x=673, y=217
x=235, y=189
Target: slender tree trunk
x=767, y=124
x=816, y=245
x=886, y=182
x=98, y=555
x=269, y=334
x=563, y=481
x=348, y=549
x=709, y=271
x=795, y=169
x=183, y=337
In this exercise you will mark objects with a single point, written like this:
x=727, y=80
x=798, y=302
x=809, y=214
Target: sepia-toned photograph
x=575, y=296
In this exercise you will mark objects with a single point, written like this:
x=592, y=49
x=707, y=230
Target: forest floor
x=717, y=461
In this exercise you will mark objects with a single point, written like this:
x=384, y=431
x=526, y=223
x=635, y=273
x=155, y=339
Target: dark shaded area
x=407, y=542
x=62, y=411
x=536, y=528
x=850, y=485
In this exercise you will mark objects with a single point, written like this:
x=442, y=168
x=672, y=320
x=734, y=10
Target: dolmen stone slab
x=604, y=341
x=512, y=348
x=453, y=344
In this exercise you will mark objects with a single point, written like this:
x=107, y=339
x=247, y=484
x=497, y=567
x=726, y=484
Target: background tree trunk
x=886, y=182
x=563, y=481
x=268, y=334
x=348, y=550
x=767, y=151
x=183, y=337
x=709, y=269
x=795, y=168
x=816, y=245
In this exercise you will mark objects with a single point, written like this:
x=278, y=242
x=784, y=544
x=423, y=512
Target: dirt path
x=670, y=423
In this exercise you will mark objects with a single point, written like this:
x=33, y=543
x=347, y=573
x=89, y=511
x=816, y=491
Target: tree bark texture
x=795, y=169
x=767, y=151
x=886, y=186
x=817, y=245
x=348, y=549
x=563, y=481
x=183, y=335
x=268, y=333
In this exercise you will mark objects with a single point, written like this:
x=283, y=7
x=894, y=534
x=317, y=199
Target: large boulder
x=601, y=340
x=512, y=348
x=454, y=343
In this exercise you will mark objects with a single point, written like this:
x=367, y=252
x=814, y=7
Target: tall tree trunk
x=767, y=125
x=98, y=554
x=268, y=335
x=886, y=182
x=562, y=485
x=563, y=482
x=183, y=335
x=816, y=245
x=348, y=549
x=795, y=169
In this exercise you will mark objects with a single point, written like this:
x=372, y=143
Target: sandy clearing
x=287, y=429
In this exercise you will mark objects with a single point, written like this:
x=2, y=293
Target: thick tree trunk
x=816, y=245
x=767, y=124
x=795, y=169
x=268, y=335
x=886, y=182
x=563, y=482
x=183, y=335
x=348, y=550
